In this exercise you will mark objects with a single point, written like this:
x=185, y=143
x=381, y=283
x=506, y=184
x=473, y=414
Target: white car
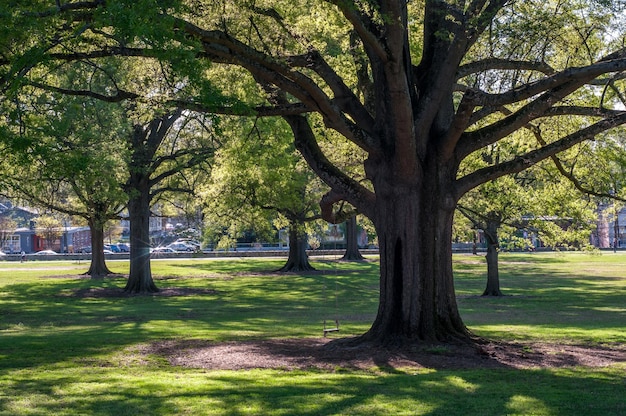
x=162, y=250
x=181, y=247
x=2, y=253
x=46, y=253
x=193, y=243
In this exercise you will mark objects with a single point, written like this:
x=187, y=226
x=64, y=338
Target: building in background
x=611, y=227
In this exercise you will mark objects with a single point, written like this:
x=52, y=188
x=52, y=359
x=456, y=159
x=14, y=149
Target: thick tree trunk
x=417, y=297
x=140, y=276
x=493, y=274
x=413, y=210
x=98, y=267
x=352, y=246
x=298, y=260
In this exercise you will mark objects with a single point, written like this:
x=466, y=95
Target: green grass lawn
x=65, y=355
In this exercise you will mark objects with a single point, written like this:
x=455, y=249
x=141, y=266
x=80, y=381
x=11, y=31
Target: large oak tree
x=419, y=86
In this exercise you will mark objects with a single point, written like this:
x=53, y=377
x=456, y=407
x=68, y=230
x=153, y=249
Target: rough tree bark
x=413, y=221
x=417, y=297
x=140, y=275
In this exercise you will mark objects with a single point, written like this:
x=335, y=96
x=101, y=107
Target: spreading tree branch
x=519, y=163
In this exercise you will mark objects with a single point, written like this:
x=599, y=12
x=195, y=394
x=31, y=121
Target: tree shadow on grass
x=445, y=392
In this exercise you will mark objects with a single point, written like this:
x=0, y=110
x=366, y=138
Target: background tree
x=352, y=242
x=523, y=207
x=489, y=208
x=49, y=229
x=66, y=158
x=252, y=187
x=350, y=159
x=7, y=228
x=419, y=86
x=532, y=202
x=112, y=232
x=161, y=152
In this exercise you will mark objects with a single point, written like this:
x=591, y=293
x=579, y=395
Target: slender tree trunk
x=493, y=274
x=616, y=229
x=298, y=260
x=475, y=244
x=140, y=276
x=417, y=298
x=352, y=246
x=98, y=267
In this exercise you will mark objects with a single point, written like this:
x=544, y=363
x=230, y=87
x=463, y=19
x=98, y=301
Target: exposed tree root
x=296, y=266
x=98, y=274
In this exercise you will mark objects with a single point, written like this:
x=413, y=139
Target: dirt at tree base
x=321, y=353
x=332, y=354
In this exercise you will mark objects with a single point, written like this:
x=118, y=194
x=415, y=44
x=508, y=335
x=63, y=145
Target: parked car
x=106, y=251
x=193, y=243
x=114, y=248
x=162, y=250
x=86, y=250
x=46, y=253
x=124, y=248
x=179, y=246
x=2, y=253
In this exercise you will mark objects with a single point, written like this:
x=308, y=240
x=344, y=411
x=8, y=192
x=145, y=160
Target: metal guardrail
x=204, y=254
x=227, y=253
